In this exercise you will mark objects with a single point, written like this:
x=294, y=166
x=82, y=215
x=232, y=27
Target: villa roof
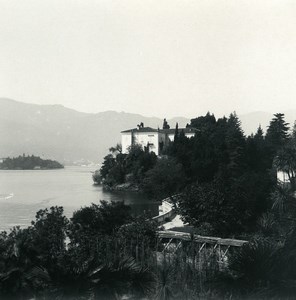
x=141, y=129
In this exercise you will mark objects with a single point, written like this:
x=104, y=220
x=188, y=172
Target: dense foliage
x=226, y=179
x=141, y=170
x=227, y=186
x=119, y=168
x=86, y=257
x=29, y=163
x=165, y=179
x=231, y=175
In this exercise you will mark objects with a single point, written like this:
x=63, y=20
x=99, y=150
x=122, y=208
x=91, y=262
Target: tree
x=218, y=144
x=203, y=122
x=140, y=230
x=180, y=149
x=277, y=133
x=208, y=203
x=108, y=164
x=254, y=266
x=257, y=154
x=235, y=143
x=97, y=178
x=205, y=149
x=293, y=136
x=29, y=163
x=91, y=222
x=117, y=149
x=138, y=162
x=21, y=272
x=176, y=133
x=228, y=205
x=129, y=168
x=285, y=161
x=165, y=179
x=112, y=170
x=92, y=230
x=49, y=229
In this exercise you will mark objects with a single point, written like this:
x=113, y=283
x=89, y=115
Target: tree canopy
x=29, y=163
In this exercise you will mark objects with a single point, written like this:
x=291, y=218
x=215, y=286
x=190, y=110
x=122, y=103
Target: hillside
x=64, y=134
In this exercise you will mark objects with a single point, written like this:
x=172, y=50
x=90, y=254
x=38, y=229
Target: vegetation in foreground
x=104, y=253
x=227, y=187
x=99, y=261
x=29, y=163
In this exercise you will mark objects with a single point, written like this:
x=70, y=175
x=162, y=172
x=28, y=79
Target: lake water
x=71, y=188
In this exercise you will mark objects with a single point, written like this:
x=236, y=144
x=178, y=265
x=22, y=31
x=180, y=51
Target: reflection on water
x=71, y=188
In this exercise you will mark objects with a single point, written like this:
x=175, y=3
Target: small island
x=29, y=163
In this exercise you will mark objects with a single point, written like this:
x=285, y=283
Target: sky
x=159, y=58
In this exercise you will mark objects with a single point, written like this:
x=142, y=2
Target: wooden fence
x=183, y=236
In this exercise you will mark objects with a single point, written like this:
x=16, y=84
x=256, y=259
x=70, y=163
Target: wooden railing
x=206, y=251
x=183, y=236
x=169, y=212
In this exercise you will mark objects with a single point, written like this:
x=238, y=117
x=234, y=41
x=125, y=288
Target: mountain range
x=57, y=132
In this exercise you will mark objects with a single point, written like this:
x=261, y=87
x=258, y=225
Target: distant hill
x=66, y=135
x=63, y=134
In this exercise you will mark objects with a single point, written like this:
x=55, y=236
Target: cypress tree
x=277, y=132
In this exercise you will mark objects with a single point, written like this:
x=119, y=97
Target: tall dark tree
x=256, y=152
x=202, y=149
x=277, y=132
x=235, y=143
x=176, y=132
x=259, y=133
x=285, y=161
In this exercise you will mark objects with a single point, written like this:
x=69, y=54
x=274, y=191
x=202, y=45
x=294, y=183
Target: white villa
x=154, y=139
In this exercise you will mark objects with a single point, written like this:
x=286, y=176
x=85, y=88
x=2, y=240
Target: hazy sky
x=162, y=58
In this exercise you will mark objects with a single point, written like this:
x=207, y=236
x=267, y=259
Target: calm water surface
x=71, y=188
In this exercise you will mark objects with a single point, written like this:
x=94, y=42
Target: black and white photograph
x=147, y=149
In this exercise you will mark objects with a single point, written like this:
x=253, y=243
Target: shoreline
x=124, y=187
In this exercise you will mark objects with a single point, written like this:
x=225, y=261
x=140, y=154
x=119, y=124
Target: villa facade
x=154, y=139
